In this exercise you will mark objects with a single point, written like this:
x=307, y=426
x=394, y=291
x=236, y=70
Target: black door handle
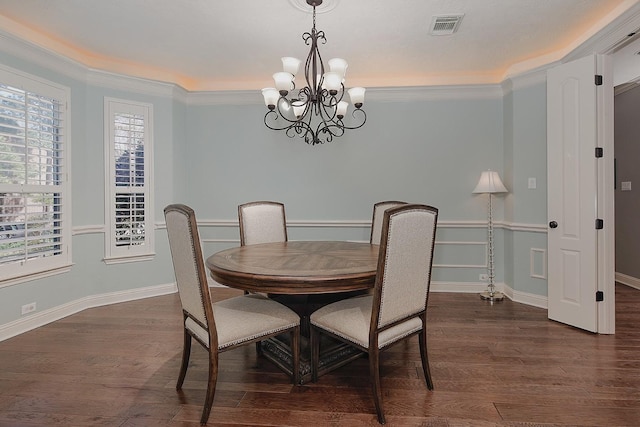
x=553, y=224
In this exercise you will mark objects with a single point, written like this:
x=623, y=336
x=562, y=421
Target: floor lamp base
x=495, y=296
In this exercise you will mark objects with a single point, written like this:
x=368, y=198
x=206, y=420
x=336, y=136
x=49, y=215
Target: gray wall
x=525, y=152
x=424, y=145
x=627, y=147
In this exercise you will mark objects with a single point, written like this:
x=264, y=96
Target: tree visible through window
x=129, y=141
x=34, y=216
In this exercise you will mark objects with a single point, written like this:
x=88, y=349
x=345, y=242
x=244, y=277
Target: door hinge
x=599, y=296
x=599, y=152
x=599, y=224
x=598, y=80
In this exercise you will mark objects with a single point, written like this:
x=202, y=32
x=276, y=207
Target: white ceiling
x=236, y=44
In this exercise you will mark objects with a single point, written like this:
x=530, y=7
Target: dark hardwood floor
x=503, y=365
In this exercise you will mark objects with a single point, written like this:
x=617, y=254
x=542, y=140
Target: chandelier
x=316, y=111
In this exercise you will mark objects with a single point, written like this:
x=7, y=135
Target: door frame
x=605, y=200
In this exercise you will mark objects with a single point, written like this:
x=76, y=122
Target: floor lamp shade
x=490, y=183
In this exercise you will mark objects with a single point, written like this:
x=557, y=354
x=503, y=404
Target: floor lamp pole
x=491, y=294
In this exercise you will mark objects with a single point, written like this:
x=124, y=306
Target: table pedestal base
x=333, y=353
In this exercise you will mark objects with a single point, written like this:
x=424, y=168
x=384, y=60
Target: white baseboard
x=44, y=317
x=463, y=287
x=628, y=280
x=469, y=287
x=534, y=300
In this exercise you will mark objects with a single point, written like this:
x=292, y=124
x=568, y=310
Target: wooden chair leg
x=211, y=386
x=186, y=353
x=425, y=358
x=315, y=352
x=295, y=349
x=374, y=372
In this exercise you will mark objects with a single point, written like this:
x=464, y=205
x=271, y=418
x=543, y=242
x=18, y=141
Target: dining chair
x=397, y=309
x=378, y=215
x=262, y=222
x=224, y=325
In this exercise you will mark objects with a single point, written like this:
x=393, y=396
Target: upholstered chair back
x=378, y=215
x=262, y=222
x=188, y=265
x=404, y=266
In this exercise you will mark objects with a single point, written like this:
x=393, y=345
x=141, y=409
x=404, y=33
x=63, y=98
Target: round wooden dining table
x=304, y=275
x=297, y=267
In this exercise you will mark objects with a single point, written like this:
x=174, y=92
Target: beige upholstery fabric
x=262, y=222
x=351, y=320
x=376, y=221
x=183, y=254
x=245, y=318
x=407, y=266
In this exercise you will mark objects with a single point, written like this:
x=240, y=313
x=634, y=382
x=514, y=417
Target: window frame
x=115, y=253
x=60, y=262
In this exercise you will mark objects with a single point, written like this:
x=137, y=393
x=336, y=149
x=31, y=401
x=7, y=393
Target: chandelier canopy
x=316, y=111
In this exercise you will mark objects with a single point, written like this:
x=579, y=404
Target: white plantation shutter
x=34, y=199
x=128, y=153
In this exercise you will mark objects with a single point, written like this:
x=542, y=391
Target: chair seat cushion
x=351, y=318
x=246, y=318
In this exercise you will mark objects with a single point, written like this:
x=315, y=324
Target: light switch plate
x=532, y=183
x=626, y=186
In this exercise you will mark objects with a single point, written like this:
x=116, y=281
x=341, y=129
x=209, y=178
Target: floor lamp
x=490, y=184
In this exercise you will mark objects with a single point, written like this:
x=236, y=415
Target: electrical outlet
x=484, y=277
x=28, y=308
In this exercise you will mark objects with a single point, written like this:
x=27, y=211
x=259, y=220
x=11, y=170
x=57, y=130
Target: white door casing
x=577, y=123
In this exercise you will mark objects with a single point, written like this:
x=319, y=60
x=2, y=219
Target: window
x=128, y=153
x=35, y=206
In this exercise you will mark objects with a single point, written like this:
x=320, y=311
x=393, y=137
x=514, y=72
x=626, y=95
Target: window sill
x=127, y=259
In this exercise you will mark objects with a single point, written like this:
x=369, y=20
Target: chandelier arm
x=329, y=108
x=309, y=135
x=328, y=120
x=302, y=126
x=331, y=130
x=353, y=114
x=273, y=115
x=299, y=128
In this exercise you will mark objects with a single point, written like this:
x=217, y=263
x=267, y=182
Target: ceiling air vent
x=443, y=25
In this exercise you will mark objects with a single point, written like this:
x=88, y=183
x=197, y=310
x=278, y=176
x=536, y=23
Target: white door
x=572, y=180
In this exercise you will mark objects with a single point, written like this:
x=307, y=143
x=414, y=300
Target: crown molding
x=612, y=36
x=605, y=40
x=58, y=63
x=40, y=56
x=524, y=80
